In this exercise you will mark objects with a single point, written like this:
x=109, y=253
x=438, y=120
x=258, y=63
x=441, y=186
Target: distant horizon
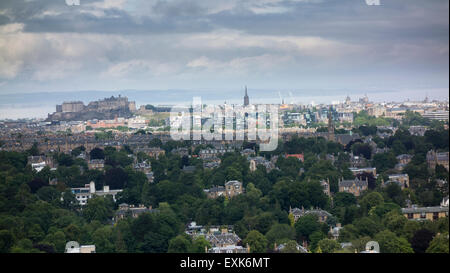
x=39, y=105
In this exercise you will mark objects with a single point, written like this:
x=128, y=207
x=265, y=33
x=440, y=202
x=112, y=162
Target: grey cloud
x=405, y=38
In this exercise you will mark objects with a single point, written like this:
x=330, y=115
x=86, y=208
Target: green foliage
x=328, y=245
x=180, y=244
x=390, y=243
x=256, y=241
x=384, y=161
x=279, y=233
x=98, y=208
x=305, y=226
x=440, y=244
x=362, y=118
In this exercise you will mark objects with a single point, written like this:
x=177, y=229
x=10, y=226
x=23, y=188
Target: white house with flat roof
x=88, y=191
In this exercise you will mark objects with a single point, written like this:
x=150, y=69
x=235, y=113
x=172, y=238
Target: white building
x=88, y=191
x=74, y=247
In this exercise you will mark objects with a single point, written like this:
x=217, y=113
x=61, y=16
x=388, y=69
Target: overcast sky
x=223, y=44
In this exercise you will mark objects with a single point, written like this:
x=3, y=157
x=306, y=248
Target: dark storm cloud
x=334, y=19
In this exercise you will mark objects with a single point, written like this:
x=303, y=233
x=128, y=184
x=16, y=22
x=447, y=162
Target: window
x=423, y=215
x=435, y=215
x=410, y=216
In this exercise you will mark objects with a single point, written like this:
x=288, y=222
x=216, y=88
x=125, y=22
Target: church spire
x=246, y=98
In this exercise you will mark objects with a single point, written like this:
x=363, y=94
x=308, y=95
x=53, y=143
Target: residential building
x=425, y=213
x=233, y=188
x=435, y=158
x=88, y=191
x=437, y=115
x=300, y=157
x=259, y=160
x=215, y=192
x=152, y=151
x=96, y=164
x=210, y=153
x=404, y=158
x=335, y=231
x=357, y=171
x=326, y=187
x=222, y=238
x=132, y=211
x=39, y=162
x=229, y=249
x=75, y=247
x=322, y=215
x=355, y=187
x=401, y=179
x=281, y=247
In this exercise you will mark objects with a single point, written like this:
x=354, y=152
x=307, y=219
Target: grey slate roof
x=349, y=183
x=424, y=209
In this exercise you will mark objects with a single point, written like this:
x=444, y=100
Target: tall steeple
x=331, y=136
x=246, y=98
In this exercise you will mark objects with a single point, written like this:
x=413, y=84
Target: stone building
x=434, y=158
x=355, y=187
x=322, y=215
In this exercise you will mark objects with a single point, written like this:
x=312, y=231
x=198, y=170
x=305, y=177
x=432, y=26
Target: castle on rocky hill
x=107, y=108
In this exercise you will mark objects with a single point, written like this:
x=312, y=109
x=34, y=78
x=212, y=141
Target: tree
x=97, y=153
x=48, y=194
x=390, y=243
x=98, y=208
x=328, y=245
x=199, y=245
x=440, y=244
x=347, y=233
x=305, y=226
x=35, y=233
x=256, y=241
x=366, y=226
x=34, y=150
x=371, y=200
x=395, y=222
x=315, y=238
x=155, y=142
x=180, y=244
x=58, y=239
x=344, y=199
x=102, y=238
x=280, y=232
x=69, y=200
x=384, y=161
x=371, y=180
x=421, y=240
x=290, y=247
x=116, y=178
x=6, y=241
x=362, y=149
